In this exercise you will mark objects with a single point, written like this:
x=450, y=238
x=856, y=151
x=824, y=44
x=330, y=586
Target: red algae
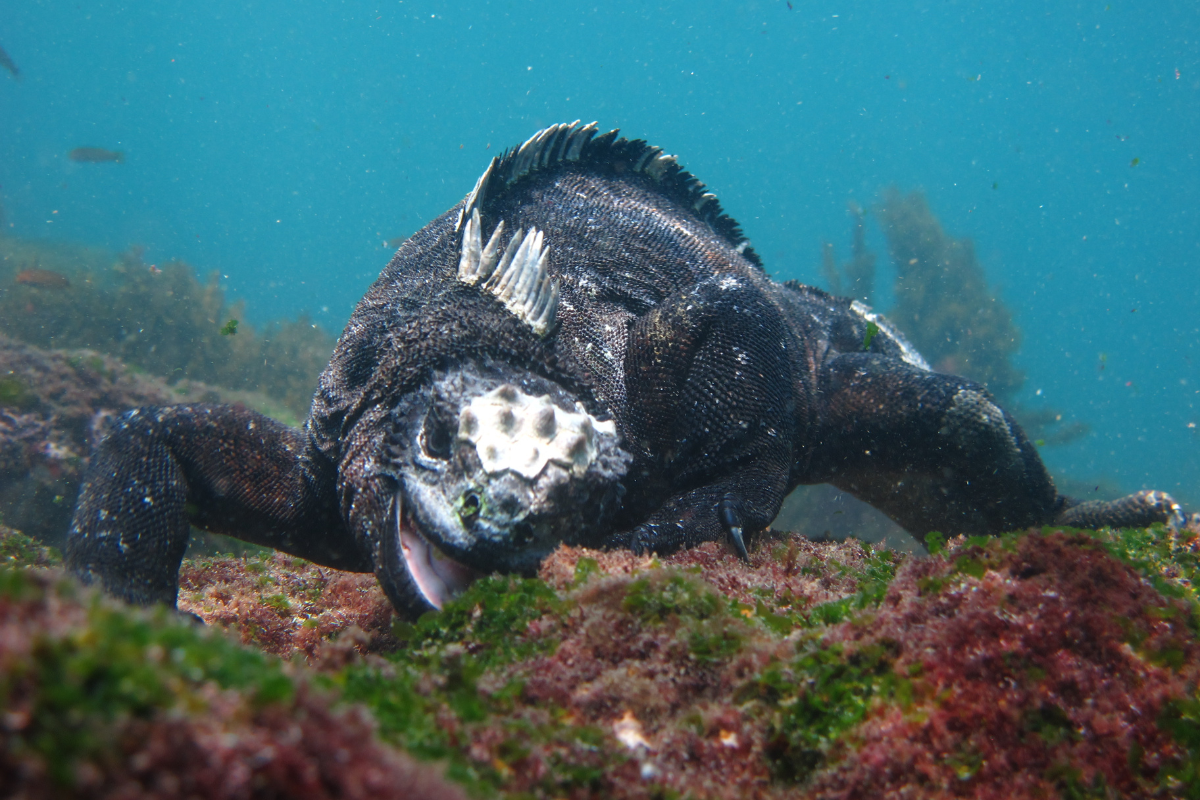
x=1037, y=666
x=784, y=571
x=674, y=672
x=99, y=701
x=1032, y=665
x=1036, y=671
x=286, y=606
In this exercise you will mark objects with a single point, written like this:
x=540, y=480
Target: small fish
x=1135, y=162
x=95, y=155
x=230, y=328
x=8, y=64
x=43, y=278
x=872, y=332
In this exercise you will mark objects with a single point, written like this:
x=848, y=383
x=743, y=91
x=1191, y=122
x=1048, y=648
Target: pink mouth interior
x=439, y=578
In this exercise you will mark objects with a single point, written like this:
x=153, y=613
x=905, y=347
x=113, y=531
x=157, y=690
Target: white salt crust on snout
x=515, y=431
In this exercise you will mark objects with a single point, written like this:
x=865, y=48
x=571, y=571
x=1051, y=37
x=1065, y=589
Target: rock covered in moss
x=159, y=317
x=102, y=701
x=1045, y=664
x=54, y=404
x=287, y=606
x=1041, y=665
x=19, y=550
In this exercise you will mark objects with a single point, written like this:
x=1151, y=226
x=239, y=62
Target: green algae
x=15, y=394
x=75, y=685
x=822, y=692
x=489, y=616
x=19, y=550
x=462, y=675
x=653, y=598
x=819, y=695
x=874, y=578
x=1181, y=717
x=428, y=692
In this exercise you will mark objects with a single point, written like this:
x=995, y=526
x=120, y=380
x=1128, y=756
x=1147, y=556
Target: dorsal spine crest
x=567, y=143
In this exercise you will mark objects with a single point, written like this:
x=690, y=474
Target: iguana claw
x=731, y=519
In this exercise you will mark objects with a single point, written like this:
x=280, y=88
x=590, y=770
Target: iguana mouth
x=438, y=577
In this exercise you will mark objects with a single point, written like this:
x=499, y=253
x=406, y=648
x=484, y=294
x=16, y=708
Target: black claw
x=731, y=519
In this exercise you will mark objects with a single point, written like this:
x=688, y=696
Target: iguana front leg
x=221, y=468
x=712, y=397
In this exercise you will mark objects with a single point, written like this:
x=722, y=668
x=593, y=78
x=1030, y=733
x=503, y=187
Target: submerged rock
x=104, y=701
x=54, y=404
x=1050, y=663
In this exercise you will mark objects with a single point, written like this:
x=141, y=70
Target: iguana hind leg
x=935, y=452
x=932, y=451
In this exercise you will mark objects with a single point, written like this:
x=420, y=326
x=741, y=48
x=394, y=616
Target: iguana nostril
x=470, y=507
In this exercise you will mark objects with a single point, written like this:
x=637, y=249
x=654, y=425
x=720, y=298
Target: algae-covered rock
x=157, y=317
x=104, y=701
x=53, y=406
x=1048, y=663
x=286, y=606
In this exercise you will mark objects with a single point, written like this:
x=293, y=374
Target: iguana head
x=495, y=467
x=495, y=463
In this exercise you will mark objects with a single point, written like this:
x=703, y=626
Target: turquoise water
x=283, y=143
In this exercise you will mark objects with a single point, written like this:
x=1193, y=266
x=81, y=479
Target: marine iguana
x=584, y=350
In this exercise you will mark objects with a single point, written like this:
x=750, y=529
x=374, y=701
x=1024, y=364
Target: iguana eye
x=436, y=437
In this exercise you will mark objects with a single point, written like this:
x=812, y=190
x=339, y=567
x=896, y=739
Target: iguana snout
x=495, y=467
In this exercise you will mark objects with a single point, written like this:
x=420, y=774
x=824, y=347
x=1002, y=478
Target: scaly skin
x=633, y=311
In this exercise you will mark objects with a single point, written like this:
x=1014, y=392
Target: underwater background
x=290, y=146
